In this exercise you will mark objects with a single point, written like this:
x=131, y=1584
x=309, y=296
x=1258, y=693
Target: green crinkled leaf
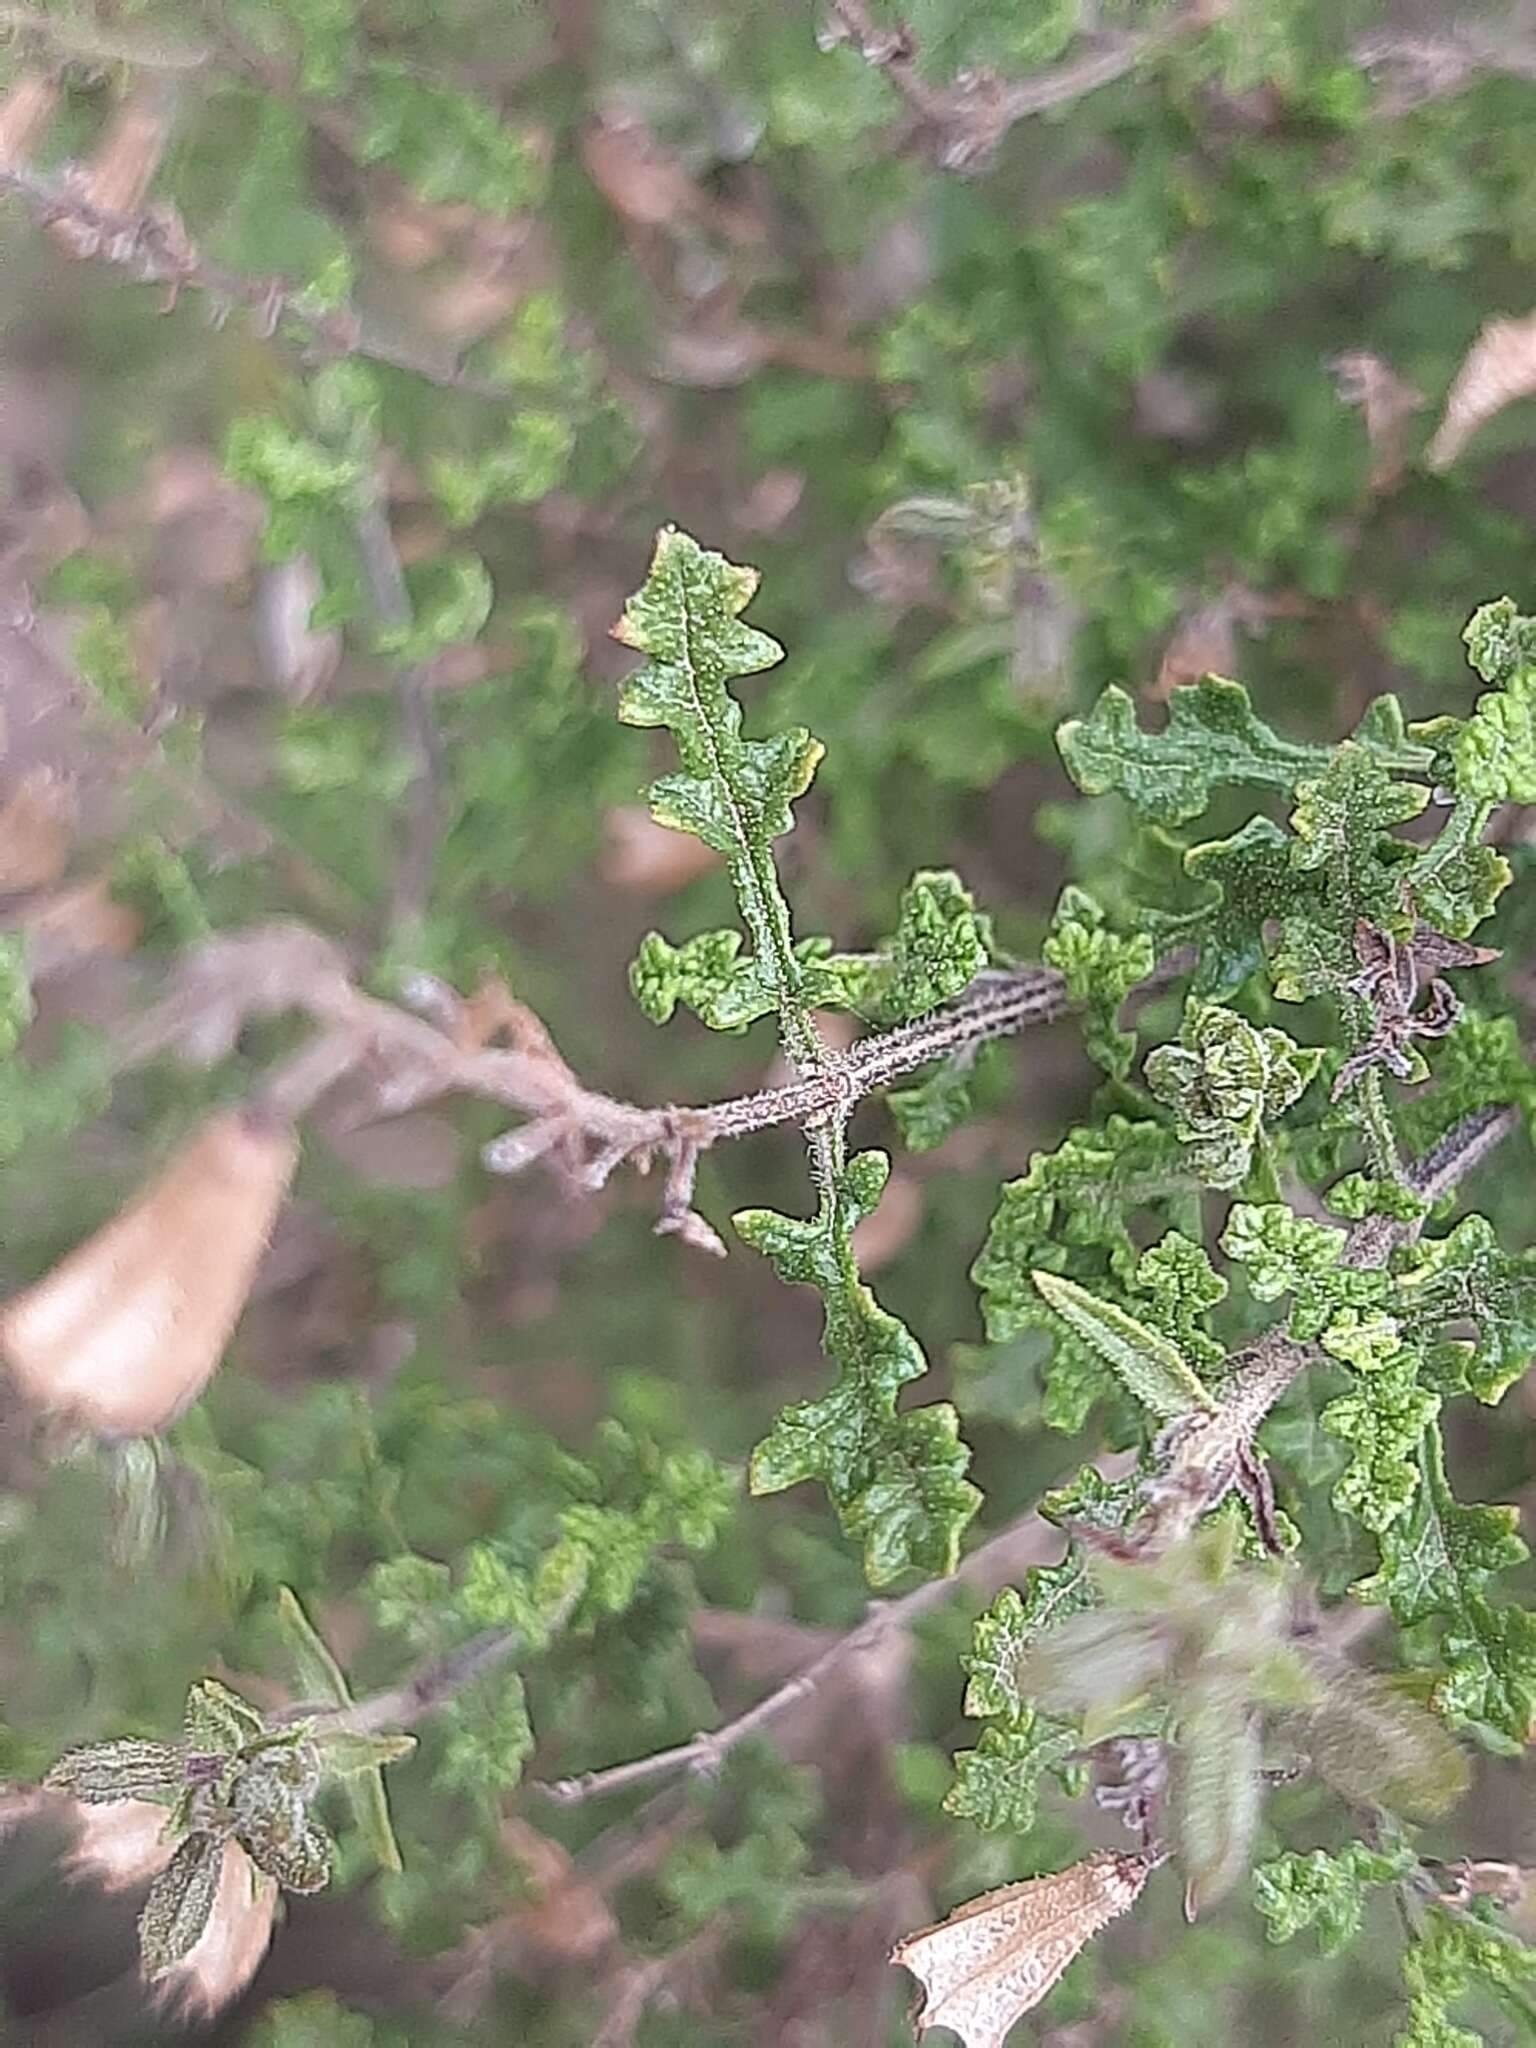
x=450, y=602
x=1342, y=814
x=1073, y=1209
x=1456, y=1955
x=1479, y=1062
x=529, y=461
x=490, y=1738
x=1100, y=968
x=1224, y=1081
x=1078, y=1195
x=1142, y=1359
x=179, y=1905
x=1456, y=889
x=1246, y=880
x=445, y=144
x=104, y=1773
x=1283, y=1253
x=938, y=1103
x=1435, y=1562
x=15, y=991
x=997, y=1784
x=1212, y=738
x=1491, y=756
x=1181, y=1287
x=896, y=1478
x=1468, y=1275
x=735, y=794
x=1365, y=1339
x=317, y=2020
x=1324, y=1891
x=707, y=973
x=1382, y=1428
x=1006, y=1630
x=938, y=948
x=1500, y=641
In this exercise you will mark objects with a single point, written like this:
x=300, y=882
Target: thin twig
x=967, y=120
x=1028, y=1540
x=581, y=1133
x=155, y=248
x=422, y=745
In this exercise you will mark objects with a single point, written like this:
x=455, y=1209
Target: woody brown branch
x=154, y=247
x=578, y=1131
x=998, y=1562
x=965, y=121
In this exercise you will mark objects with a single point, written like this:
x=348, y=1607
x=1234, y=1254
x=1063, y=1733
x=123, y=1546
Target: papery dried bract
x=1498, y=368
x=996, y=1958
x=128, y=1329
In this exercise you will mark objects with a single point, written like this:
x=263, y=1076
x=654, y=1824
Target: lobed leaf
x=895, y=1477
x=1212, y=738
x=1325, y=1891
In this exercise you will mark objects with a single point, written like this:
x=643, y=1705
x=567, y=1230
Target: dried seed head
x=997, y=1957
x=129, y=1328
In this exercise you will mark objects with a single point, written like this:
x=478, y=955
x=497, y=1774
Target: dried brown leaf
x=81, y=922
x=129, y=1327
x=1499, y=368
x=120, y=170
x=37, y=823
x=1204, y=642
x=26, y=115
x=1388, y=402
x=996, y=1958
x=643, y=183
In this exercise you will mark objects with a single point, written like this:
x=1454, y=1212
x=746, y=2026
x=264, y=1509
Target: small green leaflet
x=1144, y=1362
x=320, y=1679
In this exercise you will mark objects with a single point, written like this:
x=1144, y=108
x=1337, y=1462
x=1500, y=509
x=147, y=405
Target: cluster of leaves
x=896, y=1475
x=1094, y=409
x=232, y=1778
x=1234, y=1107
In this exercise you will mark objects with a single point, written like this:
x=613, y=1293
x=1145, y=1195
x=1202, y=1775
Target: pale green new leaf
x=355, y=1758
x=1145, y=1362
